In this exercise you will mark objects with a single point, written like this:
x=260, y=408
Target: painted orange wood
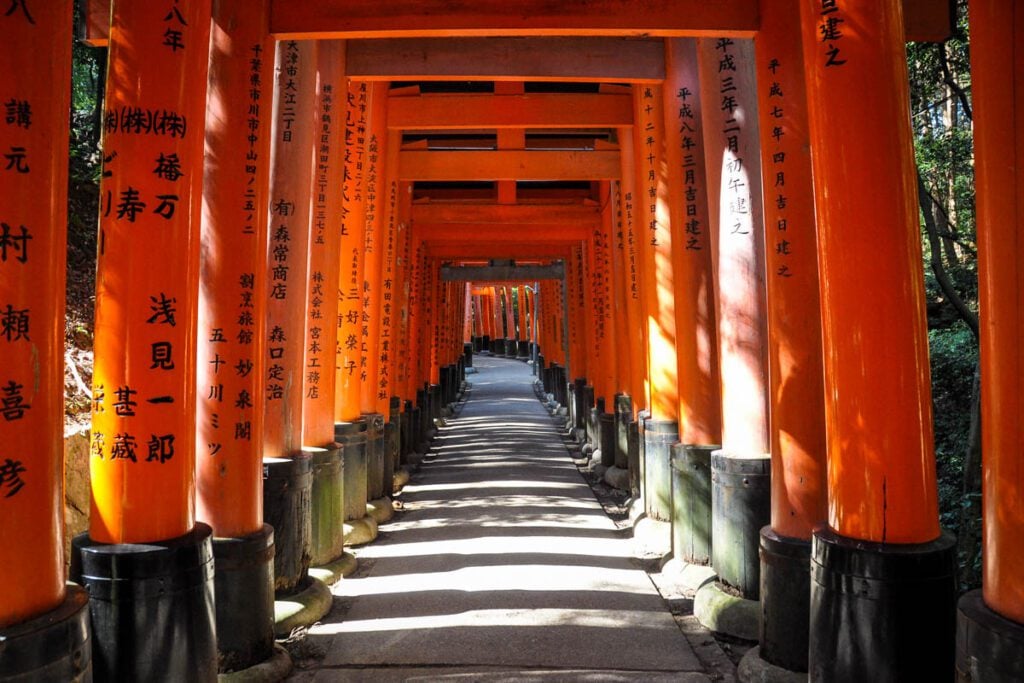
x=375, y=18
x=735, y=212
x=504, y=214
x=321, y=334
x=33, y=244
x=347, y=402
x=386, y=348
x=554, y=233
x=881, y=476
x=507, y=165
x=796, y=383
x=403, y=274
x=231, y=348
x=142, y=462
x=997, y=33
x=655, y=197
x=696, y=332
x=605, y=331
x=536, y=110
x=639, y=389
x=287, y=271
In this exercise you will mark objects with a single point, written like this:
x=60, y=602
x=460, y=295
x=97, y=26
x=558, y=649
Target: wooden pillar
x=143, y=422
x=993, y=622
x=696, y=333
x=619, y=256
x=796, y=384
x=373, y=246
x=467, y=330
x=604, y=329
x=34, y=137
x=347, y=403
x=655, y=197
x=321, y=339
x=881, y=464
x=387, y=291
x=635, y=319
x=414, y=380
x=287, y=270
x=232, y=289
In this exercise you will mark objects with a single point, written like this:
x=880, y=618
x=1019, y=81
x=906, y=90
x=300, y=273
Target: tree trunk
x=969, y=536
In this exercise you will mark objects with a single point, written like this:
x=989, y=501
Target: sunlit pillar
x=144, y=405
x=796, y=392
x=740, y=470
x=991, y=622
x=635, y=320
x=33, y=243
x=882, y=508
x=231, y=332
x=656, y=198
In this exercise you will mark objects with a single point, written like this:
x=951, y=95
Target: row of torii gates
x=282, y=179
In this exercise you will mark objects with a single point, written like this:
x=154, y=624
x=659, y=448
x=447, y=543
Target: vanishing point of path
x=501, y=566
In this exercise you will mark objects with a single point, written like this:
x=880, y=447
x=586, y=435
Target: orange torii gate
x=883, y=518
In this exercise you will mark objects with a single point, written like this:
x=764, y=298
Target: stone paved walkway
x=500, y=566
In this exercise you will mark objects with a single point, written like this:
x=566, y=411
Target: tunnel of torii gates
x=308, y=210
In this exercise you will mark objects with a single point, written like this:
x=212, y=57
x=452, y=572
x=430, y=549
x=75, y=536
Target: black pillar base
x=374, y=455
x=579, y=407
x=989, y=647
x=606, y=438
x=393, y=437
x=881, y=612
x=659, y=435
x=244, y=590
x=691, y=503
x=327, y=504
x=623, y=414
x=53, y=646
x=152, y=607
x=785, y=600
x=287, y=507
x=740, y=506
x=436, y=401
x=485, y=343
x=352, y=436
x=406, y=444
x=467, y=353
x=633, y=435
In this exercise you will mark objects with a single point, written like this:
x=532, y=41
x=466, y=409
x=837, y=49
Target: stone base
x=721, y=612
x=689, y=577
x=55, y=645
x=617, y=477
x=381, y=509
x=334, y=571
x=753, y=669
x=302, y=609
x=989, y=647
x=636, y=510
x=401, y=479
x=652, y=538
x=360, y=531
x=271, y=670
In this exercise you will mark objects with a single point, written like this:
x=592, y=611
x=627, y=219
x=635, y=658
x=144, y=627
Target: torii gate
x=714, y=367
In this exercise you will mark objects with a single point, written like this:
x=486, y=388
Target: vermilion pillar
x=143, y=456
x=796, y=392
x=991, y=624
x=634, y=303
x=353, y=229
x=287, y=270
x=321, y=337
x=740, y=470
x=34, y=137
x=232, y=288
x=881, y=464
x=657, y=196
x=143, y=422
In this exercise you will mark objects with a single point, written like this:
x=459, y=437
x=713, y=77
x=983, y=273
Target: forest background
x=940, y=99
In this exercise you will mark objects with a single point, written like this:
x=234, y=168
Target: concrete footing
x=360, y=531
x=722, y=612
x=689, y=577
x=334, y=571
x=989, y=647
x=271, y=670
x=402, y=477
x=302, y=609
x=380, y=509
x=652, y=538
x=617, y=477
x=753, y=669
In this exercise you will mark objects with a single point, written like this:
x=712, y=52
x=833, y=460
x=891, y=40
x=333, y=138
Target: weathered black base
x=353, y=439
x=55, y=646
x=659, y=435
x=287, y=506
x=151, y=606
x=740, y=506
x=989, y=647
x=691, y=503
x=244, y=590
x=623, y=415
x=785, y=600
x=327, y=504
x=374, y=455
x=606, y=436
x=881, y=612
x=633, y=435
x=467, y=354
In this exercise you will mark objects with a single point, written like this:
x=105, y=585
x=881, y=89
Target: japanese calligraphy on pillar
x=830, y=33
x=687, y=107
x=388, y=295
x=649, y=155
x=777, y=216
x=147, y=270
